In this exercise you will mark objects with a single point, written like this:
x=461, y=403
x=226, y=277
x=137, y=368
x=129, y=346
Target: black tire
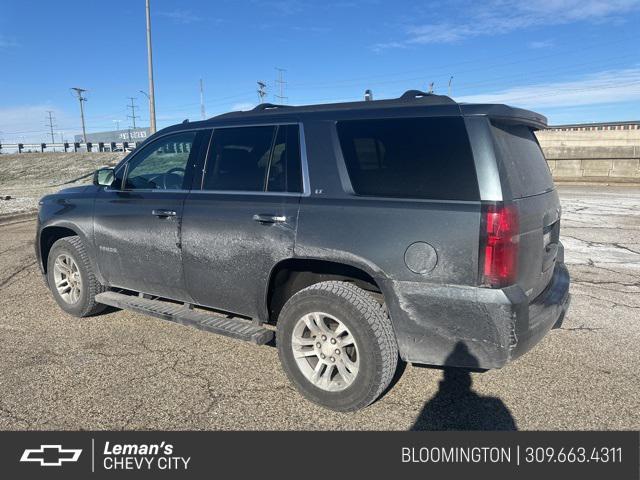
x=86, y=304
x=371, y=328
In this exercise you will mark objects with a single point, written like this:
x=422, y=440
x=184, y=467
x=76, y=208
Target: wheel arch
x=50, y=234
x=291, y=275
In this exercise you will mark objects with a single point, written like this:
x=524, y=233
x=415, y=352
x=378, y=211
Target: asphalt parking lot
x=126, y=371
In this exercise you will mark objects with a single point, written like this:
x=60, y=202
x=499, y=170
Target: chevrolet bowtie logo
x=50, y=455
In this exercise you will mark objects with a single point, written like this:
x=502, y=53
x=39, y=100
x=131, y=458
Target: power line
x=262, y=92
x=451, y=67
x=81, y=99
x=51, y=125
x=606, y=85
x=281, y=83
x=133, y=115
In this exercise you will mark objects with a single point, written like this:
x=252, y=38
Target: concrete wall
x=593, y=155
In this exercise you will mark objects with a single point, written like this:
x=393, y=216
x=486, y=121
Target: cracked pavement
x=123, y=370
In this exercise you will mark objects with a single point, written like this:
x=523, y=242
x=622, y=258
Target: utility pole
x=431, y=87
x=203, y=114
x=117, y=122
x=51, y=119
x=262, y=92
x=152, y=98
x=81, y=98
x=281, y=83
x=133, y=115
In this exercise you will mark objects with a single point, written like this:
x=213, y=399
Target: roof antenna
x=368, y=95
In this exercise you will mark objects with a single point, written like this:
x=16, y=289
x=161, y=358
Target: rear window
x=527, y=170
x=409, y=158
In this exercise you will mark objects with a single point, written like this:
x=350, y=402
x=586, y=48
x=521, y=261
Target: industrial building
x=117, y=136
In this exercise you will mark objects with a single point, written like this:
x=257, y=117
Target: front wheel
x=71, y=278
x=337, y=345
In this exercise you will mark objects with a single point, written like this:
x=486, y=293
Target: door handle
x=163, y=213
x=269, y=218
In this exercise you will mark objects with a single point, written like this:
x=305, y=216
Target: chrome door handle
x=268, y=218
x=161, y=212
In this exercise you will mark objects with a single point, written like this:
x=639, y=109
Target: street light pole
x=152, y=100
x=81, y=98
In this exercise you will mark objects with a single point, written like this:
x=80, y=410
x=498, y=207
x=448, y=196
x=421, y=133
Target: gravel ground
x=127, y=371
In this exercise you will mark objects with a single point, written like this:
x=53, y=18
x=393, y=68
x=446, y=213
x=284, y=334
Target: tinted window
x=409, y=158
x=254, y=159
x=161, y=164
x=284, y=171
x=523, y=160
x=238, y=158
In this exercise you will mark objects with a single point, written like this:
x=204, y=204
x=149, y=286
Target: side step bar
x=178, y=313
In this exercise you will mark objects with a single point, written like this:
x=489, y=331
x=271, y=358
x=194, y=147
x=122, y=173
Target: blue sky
x=574, y=61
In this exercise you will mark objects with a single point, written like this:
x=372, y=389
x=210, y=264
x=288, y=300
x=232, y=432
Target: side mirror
x=104, y=177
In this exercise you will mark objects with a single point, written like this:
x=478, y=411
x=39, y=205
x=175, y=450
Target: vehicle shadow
x=457, y=407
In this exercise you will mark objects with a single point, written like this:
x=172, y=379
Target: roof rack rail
x=268, y=106
x=413, y=94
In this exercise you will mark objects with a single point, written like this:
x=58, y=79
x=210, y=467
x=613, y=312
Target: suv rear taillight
x=499, y=245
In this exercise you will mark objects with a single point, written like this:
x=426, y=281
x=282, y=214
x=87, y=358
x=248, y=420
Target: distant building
x=118, y=136
x=601, y=126
x=591, y=135
x=608, y=151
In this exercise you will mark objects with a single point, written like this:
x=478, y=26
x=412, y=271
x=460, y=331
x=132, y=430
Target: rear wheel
x=337, y=346
x=71, y=278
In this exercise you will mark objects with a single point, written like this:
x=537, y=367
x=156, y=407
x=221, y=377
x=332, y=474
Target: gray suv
x=416, y=229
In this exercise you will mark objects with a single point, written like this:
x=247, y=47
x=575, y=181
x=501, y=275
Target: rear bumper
x=542, y=314
x=473, y=327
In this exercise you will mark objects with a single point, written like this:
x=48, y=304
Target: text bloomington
x=456, y=455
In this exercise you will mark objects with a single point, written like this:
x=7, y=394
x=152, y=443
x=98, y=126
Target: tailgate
x=528, y=183
x=539, y=241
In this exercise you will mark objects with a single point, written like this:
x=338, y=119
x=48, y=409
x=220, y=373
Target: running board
x=179, y=313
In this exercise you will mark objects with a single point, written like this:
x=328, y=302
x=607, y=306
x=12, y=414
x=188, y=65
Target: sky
x=571, y=60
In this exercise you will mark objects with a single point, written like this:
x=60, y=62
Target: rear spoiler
x=506, y=114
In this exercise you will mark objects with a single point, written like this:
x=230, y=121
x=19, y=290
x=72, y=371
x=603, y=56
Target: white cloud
x=180, y=16
x=242, y=106
x=497, y=17
x=541, y=44
x=611, y=86
x=283, y=7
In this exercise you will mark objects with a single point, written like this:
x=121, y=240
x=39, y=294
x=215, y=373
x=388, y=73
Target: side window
x=161, y=164
x=285, y=168
x=239, y=159
x=254, y=159
x=409, y=158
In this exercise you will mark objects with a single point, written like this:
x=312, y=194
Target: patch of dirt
x=27, y=177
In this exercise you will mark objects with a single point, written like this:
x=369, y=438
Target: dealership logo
x=50, y=455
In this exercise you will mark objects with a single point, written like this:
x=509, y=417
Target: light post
x=152, y=101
